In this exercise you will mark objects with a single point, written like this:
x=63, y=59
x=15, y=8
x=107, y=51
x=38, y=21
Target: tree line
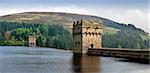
x=124, y=39
x=56, y=36
x=48, y=35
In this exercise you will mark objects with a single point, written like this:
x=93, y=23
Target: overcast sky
x=123, y=11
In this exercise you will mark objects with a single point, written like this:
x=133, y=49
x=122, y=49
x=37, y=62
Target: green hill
x=114, y=34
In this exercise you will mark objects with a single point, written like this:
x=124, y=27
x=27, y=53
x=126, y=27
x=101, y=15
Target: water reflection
x=46, y=60
x=85, y=64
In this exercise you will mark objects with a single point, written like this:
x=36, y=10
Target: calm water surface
x=47, y=60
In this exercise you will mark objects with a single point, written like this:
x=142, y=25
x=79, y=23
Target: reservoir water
x=14, y=59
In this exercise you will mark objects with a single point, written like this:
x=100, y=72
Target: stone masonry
x=32, y=41
x=87, y=34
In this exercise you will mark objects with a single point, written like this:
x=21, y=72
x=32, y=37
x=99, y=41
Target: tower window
x=92, y=45
x=92, y=33
x=86, y=33
x=96, y=33
x=87, y=28
x=89, y=33
x=99, y=33
x=76, y=42
x=96, y=28
x=79, y=43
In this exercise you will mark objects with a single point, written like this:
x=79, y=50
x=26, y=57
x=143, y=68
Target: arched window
x=86, y=33
x=96, y=34
x=89, y=33
x=99, y=33
x=92, y=33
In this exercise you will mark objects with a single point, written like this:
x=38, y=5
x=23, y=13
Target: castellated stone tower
x=32, y=41
x=87, y=34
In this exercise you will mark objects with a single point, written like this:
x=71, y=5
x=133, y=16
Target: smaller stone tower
x=32, y=41
x=87, y=34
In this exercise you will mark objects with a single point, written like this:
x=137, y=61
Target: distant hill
x=109, y=27
x=66, y=19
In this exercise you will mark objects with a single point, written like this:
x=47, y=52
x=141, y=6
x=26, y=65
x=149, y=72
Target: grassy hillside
x=50, y=18
x=59, y=18
x=110, y=28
